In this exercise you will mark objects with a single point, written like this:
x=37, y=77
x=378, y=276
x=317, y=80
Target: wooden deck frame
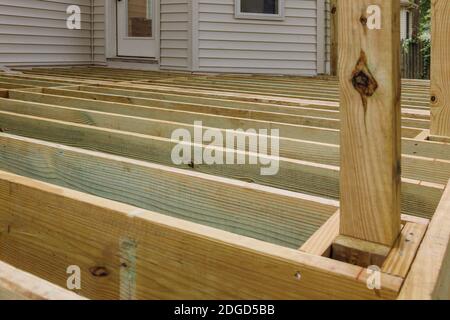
x=214, y=263
x=67, y=107
x=294, y=175
x=76, y=211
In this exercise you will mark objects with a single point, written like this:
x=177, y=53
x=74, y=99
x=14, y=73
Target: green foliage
x=425, y=31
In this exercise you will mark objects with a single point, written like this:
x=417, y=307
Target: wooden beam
x=420, y=198
x=171, y=258
x=16, y=284
x=193, y=196
x=334, y=37
x=440, y=68
x=403, y=253
x=307, y=116
x=399, y=258
x=370, y=113
x=429, y=277
x=320, y=242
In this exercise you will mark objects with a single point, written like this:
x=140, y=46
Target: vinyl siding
x=327, y=37
x=34, y=32
x=176, y=30
x=227, y=44
x=99, y=31
x=403, y=24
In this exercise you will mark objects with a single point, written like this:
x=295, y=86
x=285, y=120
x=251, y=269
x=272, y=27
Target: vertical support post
x=369, y=72
x=440, y=68
x=334, y=37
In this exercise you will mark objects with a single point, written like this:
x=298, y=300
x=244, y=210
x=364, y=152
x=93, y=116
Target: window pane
x=259, y=6
x=140, y=18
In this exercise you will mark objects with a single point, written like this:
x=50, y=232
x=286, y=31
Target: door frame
x=111, y=32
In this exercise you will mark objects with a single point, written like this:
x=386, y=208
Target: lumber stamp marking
x=440, y=68
x=128, y=269
x=370, y=114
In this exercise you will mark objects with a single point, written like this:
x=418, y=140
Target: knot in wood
x=99, y=272
x=362, y=79
x=363, y=20
x=363, y=83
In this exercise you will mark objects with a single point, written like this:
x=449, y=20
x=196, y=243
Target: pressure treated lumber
x=29, y=82
x=334, y=36
x=291, y=115
x=169, y=258
x=404, y=251
x=370, y=116
x=16, y=284
x=320, y=242
x=272, y=215
x=398, y=260
x=429, y=277
x=440, y=68
x=420, y=197
x=120, y=118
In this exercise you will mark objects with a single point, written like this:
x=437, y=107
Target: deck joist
x=90, y=148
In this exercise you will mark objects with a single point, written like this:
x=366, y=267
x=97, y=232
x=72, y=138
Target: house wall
x=195, y=35
x=99, y=31
x=291, y=46
x=35, y=32
x=327, y=36
x=176, y=31
x=403, y=24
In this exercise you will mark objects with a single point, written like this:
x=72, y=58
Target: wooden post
x=440, y=68
x=369, y=71
x=334, y=37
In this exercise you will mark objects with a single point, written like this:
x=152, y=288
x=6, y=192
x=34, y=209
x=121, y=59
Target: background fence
x=414, y=62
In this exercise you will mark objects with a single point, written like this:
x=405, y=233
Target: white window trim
x=258, y=16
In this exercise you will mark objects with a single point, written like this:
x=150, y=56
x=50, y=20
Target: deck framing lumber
x=104, y=134
x=429, y=277
x=440, y=68
x=322, y=180
x=275, y=216
x=222, y=261
x=370, y=116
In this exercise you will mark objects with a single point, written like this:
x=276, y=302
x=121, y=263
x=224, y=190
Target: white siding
x=403, y=24
x=327, y=37
x=99, y=31
x=227, y=44
x=176, y=30
x=34, y=32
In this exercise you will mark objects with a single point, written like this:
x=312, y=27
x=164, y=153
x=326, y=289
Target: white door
x=136, y=28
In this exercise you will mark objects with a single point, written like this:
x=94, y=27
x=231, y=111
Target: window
x=260, y=9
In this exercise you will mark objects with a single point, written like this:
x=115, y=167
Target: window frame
x=259, y=16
